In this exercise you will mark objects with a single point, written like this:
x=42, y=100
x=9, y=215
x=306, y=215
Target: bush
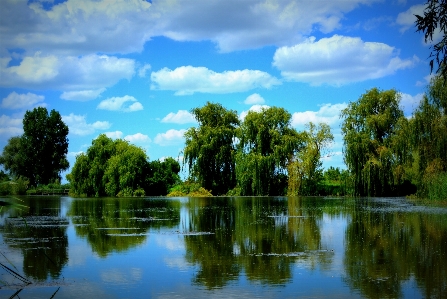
x=189, y=188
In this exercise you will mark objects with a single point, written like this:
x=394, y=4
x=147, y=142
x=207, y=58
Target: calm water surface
x=235, y=247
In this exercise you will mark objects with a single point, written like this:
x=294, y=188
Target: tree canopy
x=209, y=149
x=369, y=128
x=40, y=153
x=266, y=144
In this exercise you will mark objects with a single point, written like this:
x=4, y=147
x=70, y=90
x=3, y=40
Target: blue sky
x=134, y=69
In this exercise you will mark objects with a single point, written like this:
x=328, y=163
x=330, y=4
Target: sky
x=134, y=69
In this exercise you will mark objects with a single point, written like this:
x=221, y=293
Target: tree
x=209, y=149
x=163, y=176
x=434, y=20
x=429, y=138
x=369, y=129
x=40, y=153
x=305, y=169
x=266, y=144
x=11, y=158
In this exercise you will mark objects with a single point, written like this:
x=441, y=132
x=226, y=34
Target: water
x=238, y=247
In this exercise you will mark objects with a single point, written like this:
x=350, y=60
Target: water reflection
x=376, y=248
x=40, y=233
x=116, y=225
x=263, y=237
x=388, y=244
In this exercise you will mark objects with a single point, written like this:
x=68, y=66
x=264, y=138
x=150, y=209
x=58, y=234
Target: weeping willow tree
x=305, y=168
x=209, y=150
x=266, y=143
x=372, y=149
x=429, y=140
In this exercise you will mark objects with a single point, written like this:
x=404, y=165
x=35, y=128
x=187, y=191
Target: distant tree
x=369, y=131
x=267, y=142
x=435, y=20
x=40, y=154
x=4, y=177
x=163, y=176
x=305, y=170
x=209, y=149
x=11, y=158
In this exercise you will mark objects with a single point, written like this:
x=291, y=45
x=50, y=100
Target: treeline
x=117, y=168
x=389, y=154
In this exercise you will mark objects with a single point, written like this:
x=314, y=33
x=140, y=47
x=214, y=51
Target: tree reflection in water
x=262, y=236
x=385, y=249
x=118, y=224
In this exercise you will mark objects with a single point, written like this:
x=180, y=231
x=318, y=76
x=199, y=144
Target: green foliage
x=189, y=188
x=117, y=168
x=163, y=176
x=432, y=22
x=40, y=153
x=372, y=151
x=305, y=169
x=15, y=187
x=428, y=129
x=266, y=143
x=209, y=150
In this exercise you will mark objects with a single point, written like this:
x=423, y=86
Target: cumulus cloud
x=254, y=99
x=89, y=72
x=408, y=102
x=170, y=137
x=77, y=125
x=181, y=117
x=82, y=95
x=10, y=126
x=328, y=113
x=407, y=18
x=187, y=80
x=138, y=137
x=114, y=135
x=254, y=108
x=124, y=104
x=17, y=101
x=338, y=60
x=78, y=27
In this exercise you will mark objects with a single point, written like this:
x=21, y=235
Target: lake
x=222, y=247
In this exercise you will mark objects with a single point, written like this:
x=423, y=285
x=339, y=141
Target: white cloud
x=187, y=80
x=18, y=101
x=88, y=72
x=124, y=104
x=78, y=125
x=254, y=108
x=143, y=70
x=82, y=95
x=171, y=137
x=407, y=18
x=328, y=113
x=138, y=137
x=338, y=60
x=408, y=102
x=74, y=154
x=181, y=117
x=10, y=126
x=114, y=135
x=78, y=27
x=426, y=81
x=254, y=99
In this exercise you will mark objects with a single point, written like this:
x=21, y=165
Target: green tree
x=163, y=176
x=266, y=144
x=209, y=149
x=40, y=153
x=435, y=20
x=369, y=129
x=305, y=170
x=429, y=139
x=11, y=158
